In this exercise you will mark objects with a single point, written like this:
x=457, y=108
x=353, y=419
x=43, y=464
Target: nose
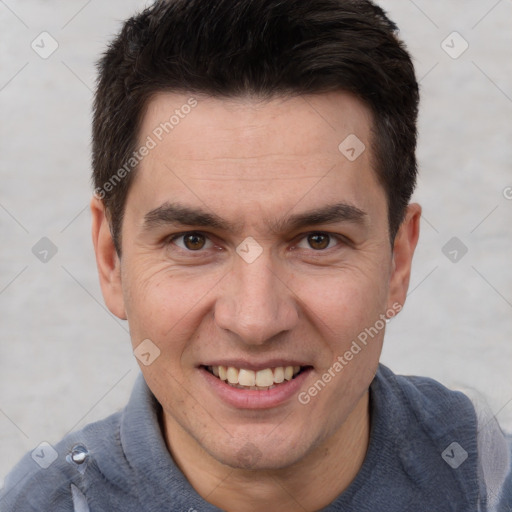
x=254, y=303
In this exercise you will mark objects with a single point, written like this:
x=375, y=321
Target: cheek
x=343, y=301
x=162, y=304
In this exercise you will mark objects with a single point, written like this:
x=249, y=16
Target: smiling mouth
x=260, y=380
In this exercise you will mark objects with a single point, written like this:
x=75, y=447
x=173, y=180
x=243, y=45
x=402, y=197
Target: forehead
x=262, y=152
x=304, y=125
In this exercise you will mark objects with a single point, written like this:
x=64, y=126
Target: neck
x=310, y=484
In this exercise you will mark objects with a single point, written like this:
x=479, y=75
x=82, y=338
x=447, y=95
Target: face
x=251, y=245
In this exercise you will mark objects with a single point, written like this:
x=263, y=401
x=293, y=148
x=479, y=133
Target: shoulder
x=457, y=427
x=429, y=425
x=427, y=401
x=49, y=477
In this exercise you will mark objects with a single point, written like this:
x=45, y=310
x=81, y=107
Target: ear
x=107, y=260
x=403, y=251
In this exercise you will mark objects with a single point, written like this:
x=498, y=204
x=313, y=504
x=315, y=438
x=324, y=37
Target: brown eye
x=318, y=241
x=194, y=241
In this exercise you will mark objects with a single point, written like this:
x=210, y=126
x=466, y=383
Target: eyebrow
x=177, y=214
x=330, y=214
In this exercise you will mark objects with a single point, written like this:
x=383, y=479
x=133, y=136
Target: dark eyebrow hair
x=175, y=213
x=331, y=214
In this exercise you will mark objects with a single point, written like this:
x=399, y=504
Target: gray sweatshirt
x=427, y=452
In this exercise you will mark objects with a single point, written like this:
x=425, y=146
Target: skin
x=256, y=163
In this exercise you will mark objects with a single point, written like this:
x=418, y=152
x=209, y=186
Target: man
x=253, y=164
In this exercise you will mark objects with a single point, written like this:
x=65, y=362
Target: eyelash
x=173, y=238
x=341, y=240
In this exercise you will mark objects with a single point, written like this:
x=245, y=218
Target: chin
x=263, y=452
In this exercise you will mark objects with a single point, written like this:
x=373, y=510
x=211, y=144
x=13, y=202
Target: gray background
x=66, y=361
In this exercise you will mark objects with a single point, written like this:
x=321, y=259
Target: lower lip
x=253, y=399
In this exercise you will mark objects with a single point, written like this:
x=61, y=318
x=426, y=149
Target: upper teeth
x=261, y=378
